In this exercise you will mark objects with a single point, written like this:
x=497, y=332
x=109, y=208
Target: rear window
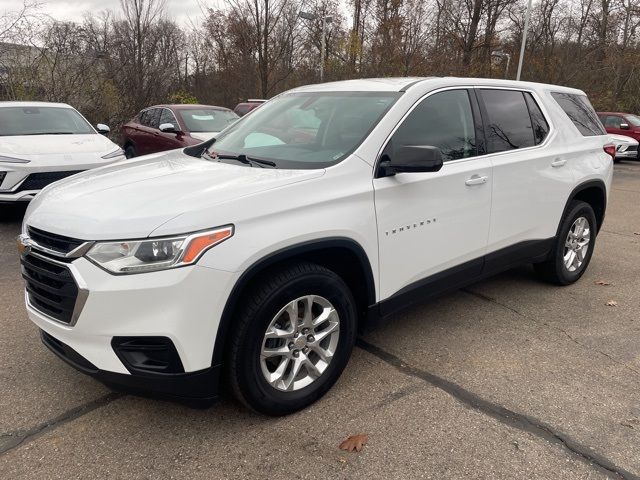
x=509, y=124
x=579, y=110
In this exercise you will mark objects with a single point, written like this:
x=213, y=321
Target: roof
x=615, y=113
x=397, y=84
x=34, y=104
x=186, y=106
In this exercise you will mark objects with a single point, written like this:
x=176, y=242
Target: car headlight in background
x=137, y=256
x=118, y=152
x=5, y=159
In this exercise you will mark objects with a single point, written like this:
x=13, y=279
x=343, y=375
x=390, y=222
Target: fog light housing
x=148, y=354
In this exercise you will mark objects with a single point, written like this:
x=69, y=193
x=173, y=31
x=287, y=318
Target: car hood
x=30, y=146
x=204, y=136
x=623, y=139
x=131, y=199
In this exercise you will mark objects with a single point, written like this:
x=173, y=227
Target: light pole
x=524, y=39
x=325, y=19
x=502, y=54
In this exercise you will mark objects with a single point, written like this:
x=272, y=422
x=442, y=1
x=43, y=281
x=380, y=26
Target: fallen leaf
x=612, y=303
x=603, y=282
x=354, y=443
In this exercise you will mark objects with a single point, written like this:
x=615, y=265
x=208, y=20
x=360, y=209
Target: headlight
x=118, y=152
x=5, y=159
x=137, y=256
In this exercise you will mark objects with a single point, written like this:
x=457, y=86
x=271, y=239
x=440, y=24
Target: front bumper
x=625, y=152
x=182, y=304
x=23, y=185
x=200, y=386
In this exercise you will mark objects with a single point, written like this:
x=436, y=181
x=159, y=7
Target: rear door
x=429, y=223
x=531, y=180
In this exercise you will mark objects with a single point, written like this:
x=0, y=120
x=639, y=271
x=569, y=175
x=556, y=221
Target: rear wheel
x=293, y=339
x=573, y=248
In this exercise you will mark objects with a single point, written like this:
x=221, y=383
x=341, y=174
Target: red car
x=167, y=127
x=245, y=107
x=621, y=124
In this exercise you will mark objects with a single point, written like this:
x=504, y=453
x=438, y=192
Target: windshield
x=42, y=121
x=306, y=130
x=207, y=119
x=633, y=120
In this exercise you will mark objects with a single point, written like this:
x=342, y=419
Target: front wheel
x=573, y=247
x=292, y=340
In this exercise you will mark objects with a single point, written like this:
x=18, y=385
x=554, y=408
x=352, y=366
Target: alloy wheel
x=576, y=245
x=300, y=343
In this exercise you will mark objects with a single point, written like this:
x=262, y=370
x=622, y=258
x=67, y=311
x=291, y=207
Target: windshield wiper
x=246, y=160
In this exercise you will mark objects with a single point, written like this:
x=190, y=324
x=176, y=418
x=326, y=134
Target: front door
x=437, y=222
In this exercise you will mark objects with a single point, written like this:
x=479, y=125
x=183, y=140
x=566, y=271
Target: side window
x=539, y=123
x=167, y=117
x=443, y=120
x=580, y=112
x=144, y=117
x=613, y=121
x=154, y=117
x=508, y=125
x=242, y=109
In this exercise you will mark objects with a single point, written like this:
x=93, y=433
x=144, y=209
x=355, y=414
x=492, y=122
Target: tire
x=267, y=303
x=555, y=269
x=129, y=151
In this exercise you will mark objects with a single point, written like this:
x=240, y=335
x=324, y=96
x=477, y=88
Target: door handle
x=476, y=180
x=558, y=162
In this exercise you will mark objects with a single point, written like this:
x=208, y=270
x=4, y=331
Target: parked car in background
x=626, y=147
x=43, y=142
x=167, y=127
x=618, y=123
x=245, y=107
x=252, y=262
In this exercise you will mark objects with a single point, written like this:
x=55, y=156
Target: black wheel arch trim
x=278, y=256
x=581, y=187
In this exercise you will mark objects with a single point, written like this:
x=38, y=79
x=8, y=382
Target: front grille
x=52, y=241
x=37, y=181
x=50, y=287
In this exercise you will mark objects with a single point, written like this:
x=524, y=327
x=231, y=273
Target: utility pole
x=524, y=39
x=323, y=42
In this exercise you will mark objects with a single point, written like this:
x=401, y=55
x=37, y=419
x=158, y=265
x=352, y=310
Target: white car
x=626, y=147
x=257, y=257
x=43, y=142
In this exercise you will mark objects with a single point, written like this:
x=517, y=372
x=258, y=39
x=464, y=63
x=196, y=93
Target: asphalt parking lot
x=509, y=378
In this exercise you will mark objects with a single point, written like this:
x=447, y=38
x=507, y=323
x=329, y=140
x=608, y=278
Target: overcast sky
x=73, y=10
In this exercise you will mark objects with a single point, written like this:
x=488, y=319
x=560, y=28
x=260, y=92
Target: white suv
x=254, y=259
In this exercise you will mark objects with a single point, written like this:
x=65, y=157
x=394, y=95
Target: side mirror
x=102, y=128
x=624, y=126
x=168, y=128
x=411, y=159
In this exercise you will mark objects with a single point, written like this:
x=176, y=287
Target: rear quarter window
x=580, y=112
